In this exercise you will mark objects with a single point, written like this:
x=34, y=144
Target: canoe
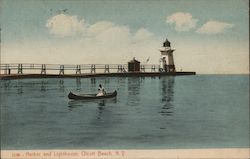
x=91, y=96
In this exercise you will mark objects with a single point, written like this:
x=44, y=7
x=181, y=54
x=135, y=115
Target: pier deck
x=19, y=71
x=138, y=74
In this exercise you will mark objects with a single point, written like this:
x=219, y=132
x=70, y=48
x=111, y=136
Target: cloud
x=109, y=34
x=100, y=27
x=65, y=25
x=101, y=32
x=142, y=34
x=214, y=27
x=182, y=21
x=98, y=42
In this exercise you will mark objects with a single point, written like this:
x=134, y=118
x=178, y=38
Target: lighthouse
x=167, y=57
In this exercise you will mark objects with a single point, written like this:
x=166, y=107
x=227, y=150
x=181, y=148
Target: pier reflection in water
x=78, y=84
x=19, y=87
x=61, y=85
x=93, y=81
x=43, y=85
x=106, y=81
x=5, y=84
x=133, y=86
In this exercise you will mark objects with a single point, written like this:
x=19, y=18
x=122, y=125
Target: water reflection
x=99, y=102
x=61, y=85
x=6, y=84
x=93, y=81
x=78, y=84
x=94, y=86
x=102, y=103
x=101, y=108
x=43, y=85
x=107, y=81
x=167, y=92
x=19, y=87
x=121, y=82
x=134, y=84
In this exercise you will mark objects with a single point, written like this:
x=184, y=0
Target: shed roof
x=134, y=61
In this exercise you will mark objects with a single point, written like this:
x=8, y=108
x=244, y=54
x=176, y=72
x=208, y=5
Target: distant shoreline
x=138, y=74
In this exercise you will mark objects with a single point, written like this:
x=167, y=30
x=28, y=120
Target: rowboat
x=91, y=96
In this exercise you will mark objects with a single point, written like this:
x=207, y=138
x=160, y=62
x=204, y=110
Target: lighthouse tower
x=167, y=53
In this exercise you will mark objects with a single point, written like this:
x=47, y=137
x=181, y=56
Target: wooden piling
x=7, y=70
x=20, y=69
x=153, y=68
x=92, y=68
x=78, y=69
x=142, y=68
x=106, y=69
x=43, y=69
x=119, y=68
x=61, y=71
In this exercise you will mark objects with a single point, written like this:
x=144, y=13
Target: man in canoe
x=101, y=91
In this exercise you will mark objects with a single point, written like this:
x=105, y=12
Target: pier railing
x=28, y=68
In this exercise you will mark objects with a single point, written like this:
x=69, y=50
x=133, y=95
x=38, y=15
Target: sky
x=210, y=36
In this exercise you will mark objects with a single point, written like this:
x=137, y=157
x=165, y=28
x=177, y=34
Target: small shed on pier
x=134, y=66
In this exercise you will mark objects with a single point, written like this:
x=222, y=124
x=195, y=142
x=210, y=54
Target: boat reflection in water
x=99, y=102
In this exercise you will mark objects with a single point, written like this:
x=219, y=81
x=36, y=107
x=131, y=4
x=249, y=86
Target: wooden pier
x=26, y=70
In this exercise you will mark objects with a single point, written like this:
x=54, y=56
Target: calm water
x=200, y=111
